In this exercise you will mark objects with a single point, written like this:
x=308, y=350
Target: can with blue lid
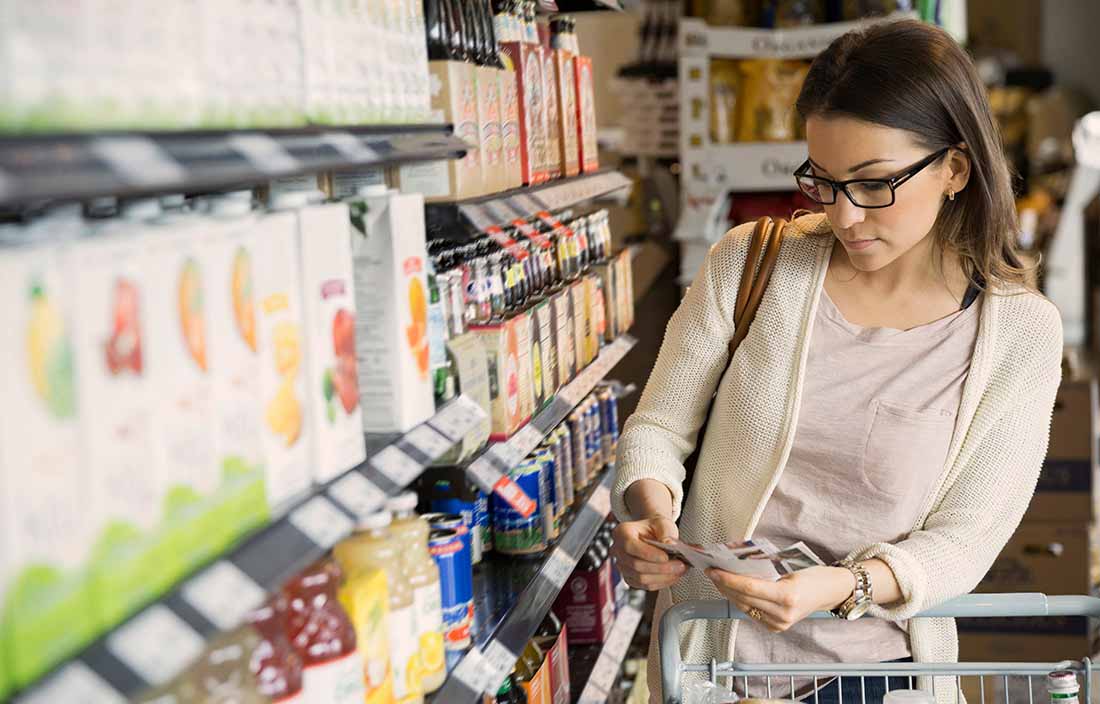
x=557, y=444
x=456, y=583
x=457, y=506
x=481, y=520
x=609, y=422
x=575, y=430
x=555, y=506
x=514, y=533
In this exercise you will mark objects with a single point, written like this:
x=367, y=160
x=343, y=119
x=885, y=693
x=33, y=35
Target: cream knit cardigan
x=983, y=489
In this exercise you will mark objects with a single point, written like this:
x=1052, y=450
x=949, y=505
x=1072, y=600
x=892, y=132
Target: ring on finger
x=755, y=614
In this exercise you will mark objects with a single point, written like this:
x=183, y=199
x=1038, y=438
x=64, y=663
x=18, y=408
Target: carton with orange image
x=389, y=257
x=501, y=342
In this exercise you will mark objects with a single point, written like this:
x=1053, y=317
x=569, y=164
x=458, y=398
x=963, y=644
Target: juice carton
x=285, y=430
x=500, y=340
x=229, y=258
x=524, y=344
x=546, y=331
x=390, y=270
x=527, y=62
x=489, y=129
x=538, y=368
x=597, y=321
x=324, y=245
x=45, y=587
x=566, y=84
x=454, y=100
x=179, y=369
x=132, y=559
x=562, y=306
x=581, y=323
x=626, y=290
x=587, y=605
x=512, y=172
x=586, y=114
x=472, y=371
x=608, y=274
x=554, y=165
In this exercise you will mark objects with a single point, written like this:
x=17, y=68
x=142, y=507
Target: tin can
x=609, y=423
x=514, y=533
x=576, y=430
x=556, y=505
x=457, y=523
x=592, y=437
x=481, y=520
x=455, y=506
x=456, y=583
x=557, y=444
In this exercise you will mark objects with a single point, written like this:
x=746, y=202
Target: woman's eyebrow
x=857, y=167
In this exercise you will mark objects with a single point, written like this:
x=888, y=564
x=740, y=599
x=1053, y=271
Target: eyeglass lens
x=865, y=194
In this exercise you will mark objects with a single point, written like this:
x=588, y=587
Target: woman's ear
x=958, y=169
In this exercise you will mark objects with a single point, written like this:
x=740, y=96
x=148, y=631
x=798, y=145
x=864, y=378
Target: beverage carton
x=566, y=85
x=489, y=128
x=525, y=344
x=391, y=336
x=527, y=63
x=581, y=323
x=586, y=605
x=472, y=372
x=500, y=340
x=596, y=311
x=45, y=587
x=324, y=245
x=545, y=325
x=554, y=165
x=512, y=172
x=586, y=114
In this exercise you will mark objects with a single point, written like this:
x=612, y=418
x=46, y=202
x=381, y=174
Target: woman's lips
x=859, y=244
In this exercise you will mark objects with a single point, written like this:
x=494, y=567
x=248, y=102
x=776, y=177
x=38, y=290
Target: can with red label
x=456, y=582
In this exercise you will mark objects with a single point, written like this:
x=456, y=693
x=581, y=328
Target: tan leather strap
x=766, y=236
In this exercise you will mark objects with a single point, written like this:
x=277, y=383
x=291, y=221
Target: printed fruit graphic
x=192, y=324
x=288, y=348
x=284, y=413
x=346, y=377
x=124, y=344
x=431, y=652
x=244, y=307
x=50, y=355
x=417, y=332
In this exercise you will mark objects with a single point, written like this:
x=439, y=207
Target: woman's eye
x=873, y=186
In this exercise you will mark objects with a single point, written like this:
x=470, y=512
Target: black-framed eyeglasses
x=862, y=192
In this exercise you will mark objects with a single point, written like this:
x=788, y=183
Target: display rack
x=125, y=164
x=599, y=682
x=508, y=619
x=580, y=5
x=456, y=220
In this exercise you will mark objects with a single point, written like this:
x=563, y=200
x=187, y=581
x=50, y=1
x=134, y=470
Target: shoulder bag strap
x=767, y=236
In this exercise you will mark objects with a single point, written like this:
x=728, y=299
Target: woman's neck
x=924, y=270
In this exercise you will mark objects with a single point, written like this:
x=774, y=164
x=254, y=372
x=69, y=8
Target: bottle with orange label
x=532, y=674
x=412, y=532
x=375, y=547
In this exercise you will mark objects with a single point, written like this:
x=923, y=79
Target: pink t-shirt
x=878, y=411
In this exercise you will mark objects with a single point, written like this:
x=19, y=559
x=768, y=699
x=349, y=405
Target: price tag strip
x=223, y=594
x=157, y=645
x=477, y=217
x=428, y=441
x=600, y=500
x=491, y=480
x=358, y=494
x=263, y=153
x=458, y=418
x=396, y=466
x=611, y=657
x=559, y=565
x=139, y=160
x=320, y=521
x=349, y=146
x=500, y=660
x=475, y=672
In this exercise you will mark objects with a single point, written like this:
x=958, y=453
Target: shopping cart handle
x=967, y=606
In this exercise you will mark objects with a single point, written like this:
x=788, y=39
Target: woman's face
x=843, y=148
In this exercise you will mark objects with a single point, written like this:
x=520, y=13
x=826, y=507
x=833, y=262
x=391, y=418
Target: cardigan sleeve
x=661, y=432
x=969, y=526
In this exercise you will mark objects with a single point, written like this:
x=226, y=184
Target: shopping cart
x=969, y=606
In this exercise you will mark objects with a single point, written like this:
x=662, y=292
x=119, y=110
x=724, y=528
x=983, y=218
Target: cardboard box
x=538, y=688
x=512, y=170
x=1048, y=558
x=596, y=314
x=582, y=323
x=494, y=178
x=538, y=366
x=586, y=605
x=566, y=84
x=454, y=101
x=557, y=650
x=586, y=114
x=390, y=256
x=472, y=372
x=562, y=304
x=526, y=60
x=546, y=325
x=500, y=340
x=1068, y=481
x=328, y=301
x=608, y=274
x=525, y=344
x=554, y=165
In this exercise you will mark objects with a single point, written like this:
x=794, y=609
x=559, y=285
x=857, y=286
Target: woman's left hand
x=780, y=605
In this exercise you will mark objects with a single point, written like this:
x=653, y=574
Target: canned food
x=565, y=441
x=514, y=533
x=557, y=444
x=575, y=428
x=593, y=451
x=481, y=520
x=555, y=507
x=609, y=422
x=456, y=583
x=454, y=506
x=455, y=522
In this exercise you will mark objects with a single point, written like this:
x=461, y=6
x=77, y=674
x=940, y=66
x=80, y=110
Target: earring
x=950, y=195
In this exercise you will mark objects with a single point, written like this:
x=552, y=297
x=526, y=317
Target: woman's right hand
x=642, y=565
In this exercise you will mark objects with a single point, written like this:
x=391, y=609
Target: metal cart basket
x=969, y=606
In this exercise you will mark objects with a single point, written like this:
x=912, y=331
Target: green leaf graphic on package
x=49, y=355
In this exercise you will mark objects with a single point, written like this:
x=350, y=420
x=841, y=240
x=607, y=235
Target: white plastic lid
x=229, y=204
x=373, y=190
x=908, y=696
x=402, y=503
x=376, y=521
x=141, y=209
x=295, y=199
x=173, y=200
x=1063, y=681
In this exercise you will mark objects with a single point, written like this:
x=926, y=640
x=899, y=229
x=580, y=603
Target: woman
x=891, y=403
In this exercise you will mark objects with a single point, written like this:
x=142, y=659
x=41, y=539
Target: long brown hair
x=913, y=76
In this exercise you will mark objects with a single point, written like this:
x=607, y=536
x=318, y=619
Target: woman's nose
x=844, y=214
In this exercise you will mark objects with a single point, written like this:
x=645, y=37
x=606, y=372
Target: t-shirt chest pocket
x=905, y=446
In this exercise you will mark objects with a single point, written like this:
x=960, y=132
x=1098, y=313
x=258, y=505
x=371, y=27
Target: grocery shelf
x=605, y=670
x=451, y=220
x=755, y=166
x=513, y=597
x=698, y=39
x=579, y=5
x=78, y=166
x=159, y=641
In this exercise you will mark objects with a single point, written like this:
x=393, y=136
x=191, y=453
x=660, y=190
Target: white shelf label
x=321, y=521
x=458, y=418
x=156, y=645
x=223, y=594
x=475, y=672
x=527, y=439
x=349, y=146
x=558, y=567
x=358, y=494
x=76, y=683
x=601, y=500
x=430, y=442
x=509, y=453
x=500, y=660
x=611, y=657
x=138, y=160
x=484, y=474
x=398, y=467
x=263, y=152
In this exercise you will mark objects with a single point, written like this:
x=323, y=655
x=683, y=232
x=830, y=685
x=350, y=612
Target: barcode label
x=601, y=500
x=429, y=442
x=156, y=645
x=508, y=453
x=320, y=521
x=396, y=466
x=458, y=418
x=349, y=146
x=139, y=160
x=558, y=567
x=75, y=683
x=527, y=439
x=264, y=153
x=500, y=660
x=223, y=594
x=358, y=494
x=475, y=672
x=483, y=474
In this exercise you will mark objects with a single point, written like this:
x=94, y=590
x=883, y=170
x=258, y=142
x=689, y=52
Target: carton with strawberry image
x=328, y=298
x=45, y=587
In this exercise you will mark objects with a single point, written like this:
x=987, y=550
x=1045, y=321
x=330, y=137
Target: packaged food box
x=608, y=276
x=586, y=605
x=472, y=371
x=566, y=85
x=500, y=340
x=538, y=366
x=586, y=114
x=561, y=303
x=526, y=342
x=595, y=309
x=512, y=162
x=490, y=139
x=582, y=323
x=546, y=330
x=526, y=60
x=554, y=166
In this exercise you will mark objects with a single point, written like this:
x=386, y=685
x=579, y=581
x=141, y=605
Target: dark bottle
x=276, y=666
x=436, y=28
x=510, y=692
x=492, y=39
x=475, y=45
x=456, y=41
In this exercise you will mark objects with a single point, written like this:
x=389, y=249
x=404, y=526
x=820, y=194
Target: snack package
x=765, y=108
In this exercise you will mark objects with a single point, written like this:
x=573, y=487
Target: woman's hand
x=642, y=565
x=782, y=604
